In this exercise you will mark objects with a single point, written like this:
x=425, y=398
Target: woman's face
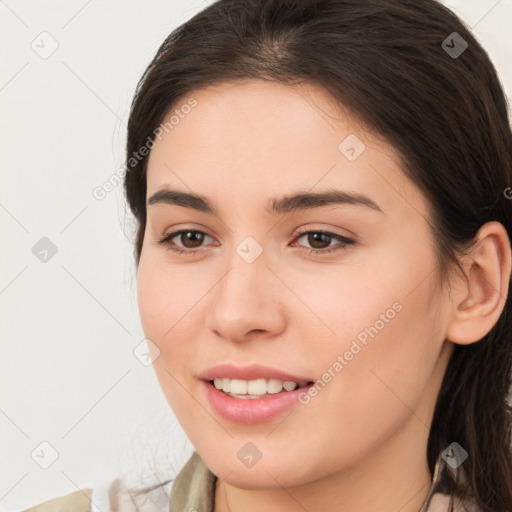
x=361, y=318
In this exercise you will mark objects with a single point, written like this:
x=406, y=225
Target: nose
x=247, y=300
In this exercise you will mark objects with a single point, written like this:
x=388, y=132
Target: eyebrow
x=297, y=202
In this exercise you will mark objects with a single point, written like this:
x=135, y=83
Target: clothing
x=193, y=490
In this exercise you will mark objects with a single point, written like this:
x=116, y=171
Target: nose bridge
x=242, y=284
x=245, y=299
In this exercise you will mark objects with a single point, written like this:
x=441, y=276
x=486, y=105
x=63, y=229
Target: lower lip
x=249, y=411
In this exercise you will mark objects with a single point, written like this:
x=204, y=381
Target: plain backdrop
x=77, y=406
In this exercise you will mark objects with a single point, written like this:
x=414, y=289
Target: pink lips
x=250, y=372
x=250, y=411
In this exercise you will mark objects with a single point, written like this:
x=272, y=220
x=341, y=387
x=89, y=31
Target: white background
x=68, y=327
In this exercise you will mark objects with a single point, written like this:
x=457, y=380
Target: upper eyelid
x=205, y=230
x=298, y=234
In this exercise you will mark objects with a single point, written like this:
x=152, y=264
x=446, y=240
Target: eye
x=321, y=241
x=191, y=239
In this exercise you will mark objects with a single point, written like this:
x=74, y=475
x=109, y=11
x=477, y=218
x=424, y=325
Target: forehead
x=256, y=138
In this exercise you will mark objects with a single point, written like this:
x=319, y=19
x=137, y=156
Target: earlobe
x=479, y=302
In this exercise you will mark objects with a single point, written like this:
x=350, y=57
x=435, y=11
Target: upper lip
x=249, y=372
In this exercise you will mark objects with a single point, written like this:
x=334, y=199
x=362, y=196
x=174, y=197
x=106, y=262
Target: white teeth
x=254, y=388
x=238, y=387
x=274, y=386
x=226, y=384
x=289, y=386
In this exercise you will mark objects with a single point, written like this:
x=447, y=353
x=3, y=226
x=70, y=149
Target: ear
x=479, y=299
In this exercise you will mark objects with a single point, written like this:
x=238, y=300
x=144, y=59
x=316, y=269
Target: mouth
x=254, y=401
x=257, y=388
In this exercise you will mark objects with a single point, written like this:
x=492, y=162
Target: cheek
x=374, y=344
x=382, y=302
x=165, y=293
x=169, y=302
x=166, y=299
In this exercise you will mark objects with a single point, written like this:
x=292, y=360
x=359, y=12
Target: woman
x=323, y=198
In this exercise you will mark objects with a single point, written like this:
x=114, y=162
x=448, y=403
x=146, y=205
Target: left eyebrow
x=297, y=202
x=306, y=200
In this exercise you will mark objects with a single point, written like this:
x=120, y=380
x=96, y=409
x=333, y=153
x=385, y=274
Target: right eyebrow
x=194, y=201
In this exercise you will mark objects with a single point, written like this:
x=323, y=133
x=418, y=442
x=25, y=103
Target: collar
x=194, y=488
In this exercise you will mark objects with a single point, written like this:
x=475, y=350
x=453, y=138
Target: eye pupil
x=192, y=236
x=314, y=238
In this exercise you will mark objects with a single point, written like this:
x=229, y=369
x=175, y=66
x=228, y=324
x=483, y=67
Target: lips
x=244, y=411
x=250, y=372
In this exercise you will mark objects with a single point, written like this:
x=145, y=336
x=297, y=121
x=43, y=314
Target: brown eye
x=320, y=242
x=184, y=240
x=191, y=239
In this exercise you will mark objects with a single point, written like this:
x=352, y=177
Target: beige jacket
x=193, y=490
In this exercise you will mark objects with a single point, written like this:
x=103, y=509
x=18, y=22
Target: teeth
x=289, y=386
x=254, y=388
x=226, y=385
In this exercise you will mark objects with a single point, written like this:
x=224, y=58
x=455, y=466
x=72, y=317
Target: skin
x=360, y=444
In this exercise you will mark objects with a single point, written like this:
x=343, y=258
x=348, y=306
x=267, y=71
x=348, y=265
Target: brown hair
x=446, y=115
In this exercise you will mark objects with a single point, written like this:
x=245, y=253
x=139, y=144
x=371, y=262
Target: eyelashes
x=343, y=242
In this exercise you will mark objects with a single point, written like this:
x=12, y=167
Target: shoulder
x=78, y=501
x=130, y=492
x=111, y=496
